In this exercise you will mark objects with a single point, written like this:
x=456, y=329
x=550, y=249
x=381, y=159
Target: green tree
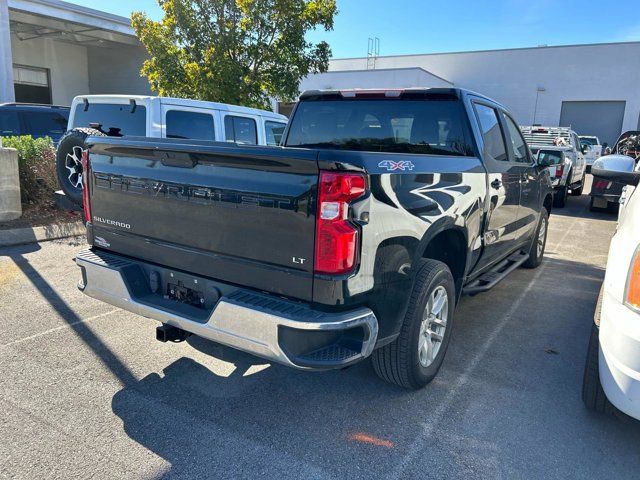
x=234, y=51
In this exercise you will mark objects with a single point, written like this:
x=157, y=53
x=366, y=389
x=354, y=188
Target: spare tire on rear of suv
x=69, y=161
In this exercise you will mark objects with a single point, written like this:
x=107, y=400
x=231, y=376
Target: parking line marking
x=61, y=327
x=428, y=426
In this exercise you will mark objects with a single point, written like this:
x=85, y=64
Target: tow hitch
x=167, y=333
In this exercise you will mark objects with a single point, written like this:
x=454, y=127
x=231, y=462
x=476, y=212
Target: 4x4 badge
x=391, y=166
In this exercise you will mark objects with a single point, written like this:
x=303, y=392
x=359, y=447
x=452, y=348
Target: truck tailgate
x=244, y=215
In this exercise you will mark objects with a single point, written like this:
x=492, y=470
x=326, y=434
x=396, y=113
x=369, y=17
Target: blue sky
x=422, y=26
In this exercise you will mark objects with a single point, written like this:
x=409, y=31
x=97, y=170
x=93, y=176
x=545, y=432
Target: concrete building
x=593, y=88
x=51, y=51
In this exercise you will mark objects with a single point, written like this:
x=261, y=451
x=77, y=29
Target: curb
x=21, y=236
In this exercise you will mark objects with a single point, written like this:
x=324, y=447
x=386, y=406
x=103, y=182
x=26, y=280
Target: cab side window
x=274, y=131
x=240, y=130
x=491, y=132
x=517, y=147
x=192, y=125
x=576, y=141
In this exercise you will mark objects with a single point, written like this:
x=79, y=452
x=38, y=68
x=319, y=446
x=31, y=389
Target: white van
x=159, y=117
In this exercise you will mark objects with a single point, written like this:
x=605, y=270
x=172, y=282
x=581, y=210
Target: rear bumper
x=270, y=327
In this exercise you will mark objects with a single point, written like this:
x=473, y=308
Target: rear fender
x=447, y=224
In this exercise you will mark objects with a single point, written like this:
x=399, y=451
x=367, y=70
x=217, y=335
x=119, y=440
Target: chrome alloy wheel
x=542, y=233
x=433, y=326
x=73, y=163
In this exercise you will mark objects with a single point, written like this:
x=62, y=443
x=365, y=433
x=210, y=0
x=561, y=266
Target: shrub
x=37, y=161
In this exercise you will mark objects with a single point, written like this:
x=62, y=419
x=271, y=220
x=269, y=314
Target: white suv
x=159, y=117
x=612, y=372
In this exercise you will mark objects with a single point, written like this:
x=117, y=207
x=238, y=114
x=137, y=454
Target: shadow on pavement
x=81, y=329
x=273, y=420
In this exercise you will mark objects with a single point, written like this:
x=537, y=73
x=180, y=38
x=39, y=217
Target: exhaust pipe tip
x=168, y=333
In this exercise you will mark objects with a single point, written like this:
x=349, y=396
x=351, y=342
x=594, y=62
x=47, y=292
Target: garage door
x=603, y=119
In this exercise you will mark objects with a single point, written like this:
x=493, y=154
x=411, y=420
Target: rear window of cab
x=422, y=126
x=116, y=119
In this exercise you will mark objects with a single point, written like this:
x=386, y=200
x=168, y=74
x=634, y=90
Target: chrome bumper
x=245, y=320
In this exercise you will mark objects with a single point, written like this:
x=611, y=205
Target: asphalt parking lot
x=86, y=391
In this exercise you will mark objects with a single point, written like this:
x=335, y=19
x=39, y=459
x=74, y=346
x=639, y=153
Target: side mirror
x=617, y=168
x=585, y=149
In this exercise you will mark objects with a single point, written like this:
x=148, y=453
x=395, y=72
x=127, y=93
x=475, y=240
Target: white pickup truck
x=157, y=117
x=540, y=137
x=593, y=149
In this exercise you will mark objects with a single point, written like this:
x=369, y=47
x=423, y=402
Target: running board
x=490, y=279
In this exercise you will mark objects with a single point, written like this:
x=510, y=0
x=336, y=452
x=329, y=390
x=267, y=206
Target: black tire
x=593, y=395
x=576, y=192
x=399, y=361
x=560, y=197
x=67, y=154
x=535, y=255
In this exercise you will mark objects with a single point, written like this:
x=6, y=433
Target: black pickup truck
x=356, y=238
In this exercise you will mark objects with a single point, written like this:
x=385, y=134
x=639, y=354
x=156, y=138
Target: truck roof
x=392, y=92
x=32, y=106
x=187, y=102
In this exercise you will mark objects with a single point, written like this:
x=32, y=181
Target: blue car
x=33, y=119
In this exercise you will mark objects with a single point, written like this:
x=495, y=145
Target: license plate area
x=181, y=293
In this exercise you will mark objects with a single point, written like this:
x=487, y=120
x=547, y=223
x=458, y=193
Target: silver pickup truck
x=539, y=137
x=559, y=162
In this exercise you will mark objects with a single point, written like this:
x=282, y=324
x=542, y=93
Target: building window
x=31, y=84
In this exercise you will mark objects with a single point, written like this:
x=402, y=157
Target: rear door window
x=113, y=119
x=492, y=136
x=274, y=131
x=193, y=125
x=240, y=130
x=45, y=124
x=9, y=123
x=517, y=145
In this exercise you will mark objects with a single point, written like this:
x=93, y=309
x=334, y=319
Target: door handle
x=496, y=184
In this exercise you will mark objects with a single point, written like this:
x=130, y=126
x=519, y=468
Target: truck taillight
x=336, y=235
x=632, y=293
x=86, y=176
x=559, y=171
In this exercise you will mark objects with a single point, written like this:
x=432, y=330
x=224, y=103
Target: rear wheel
x=539, y=241
x=413, y=359
x=69, y=161
x=560, y=197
